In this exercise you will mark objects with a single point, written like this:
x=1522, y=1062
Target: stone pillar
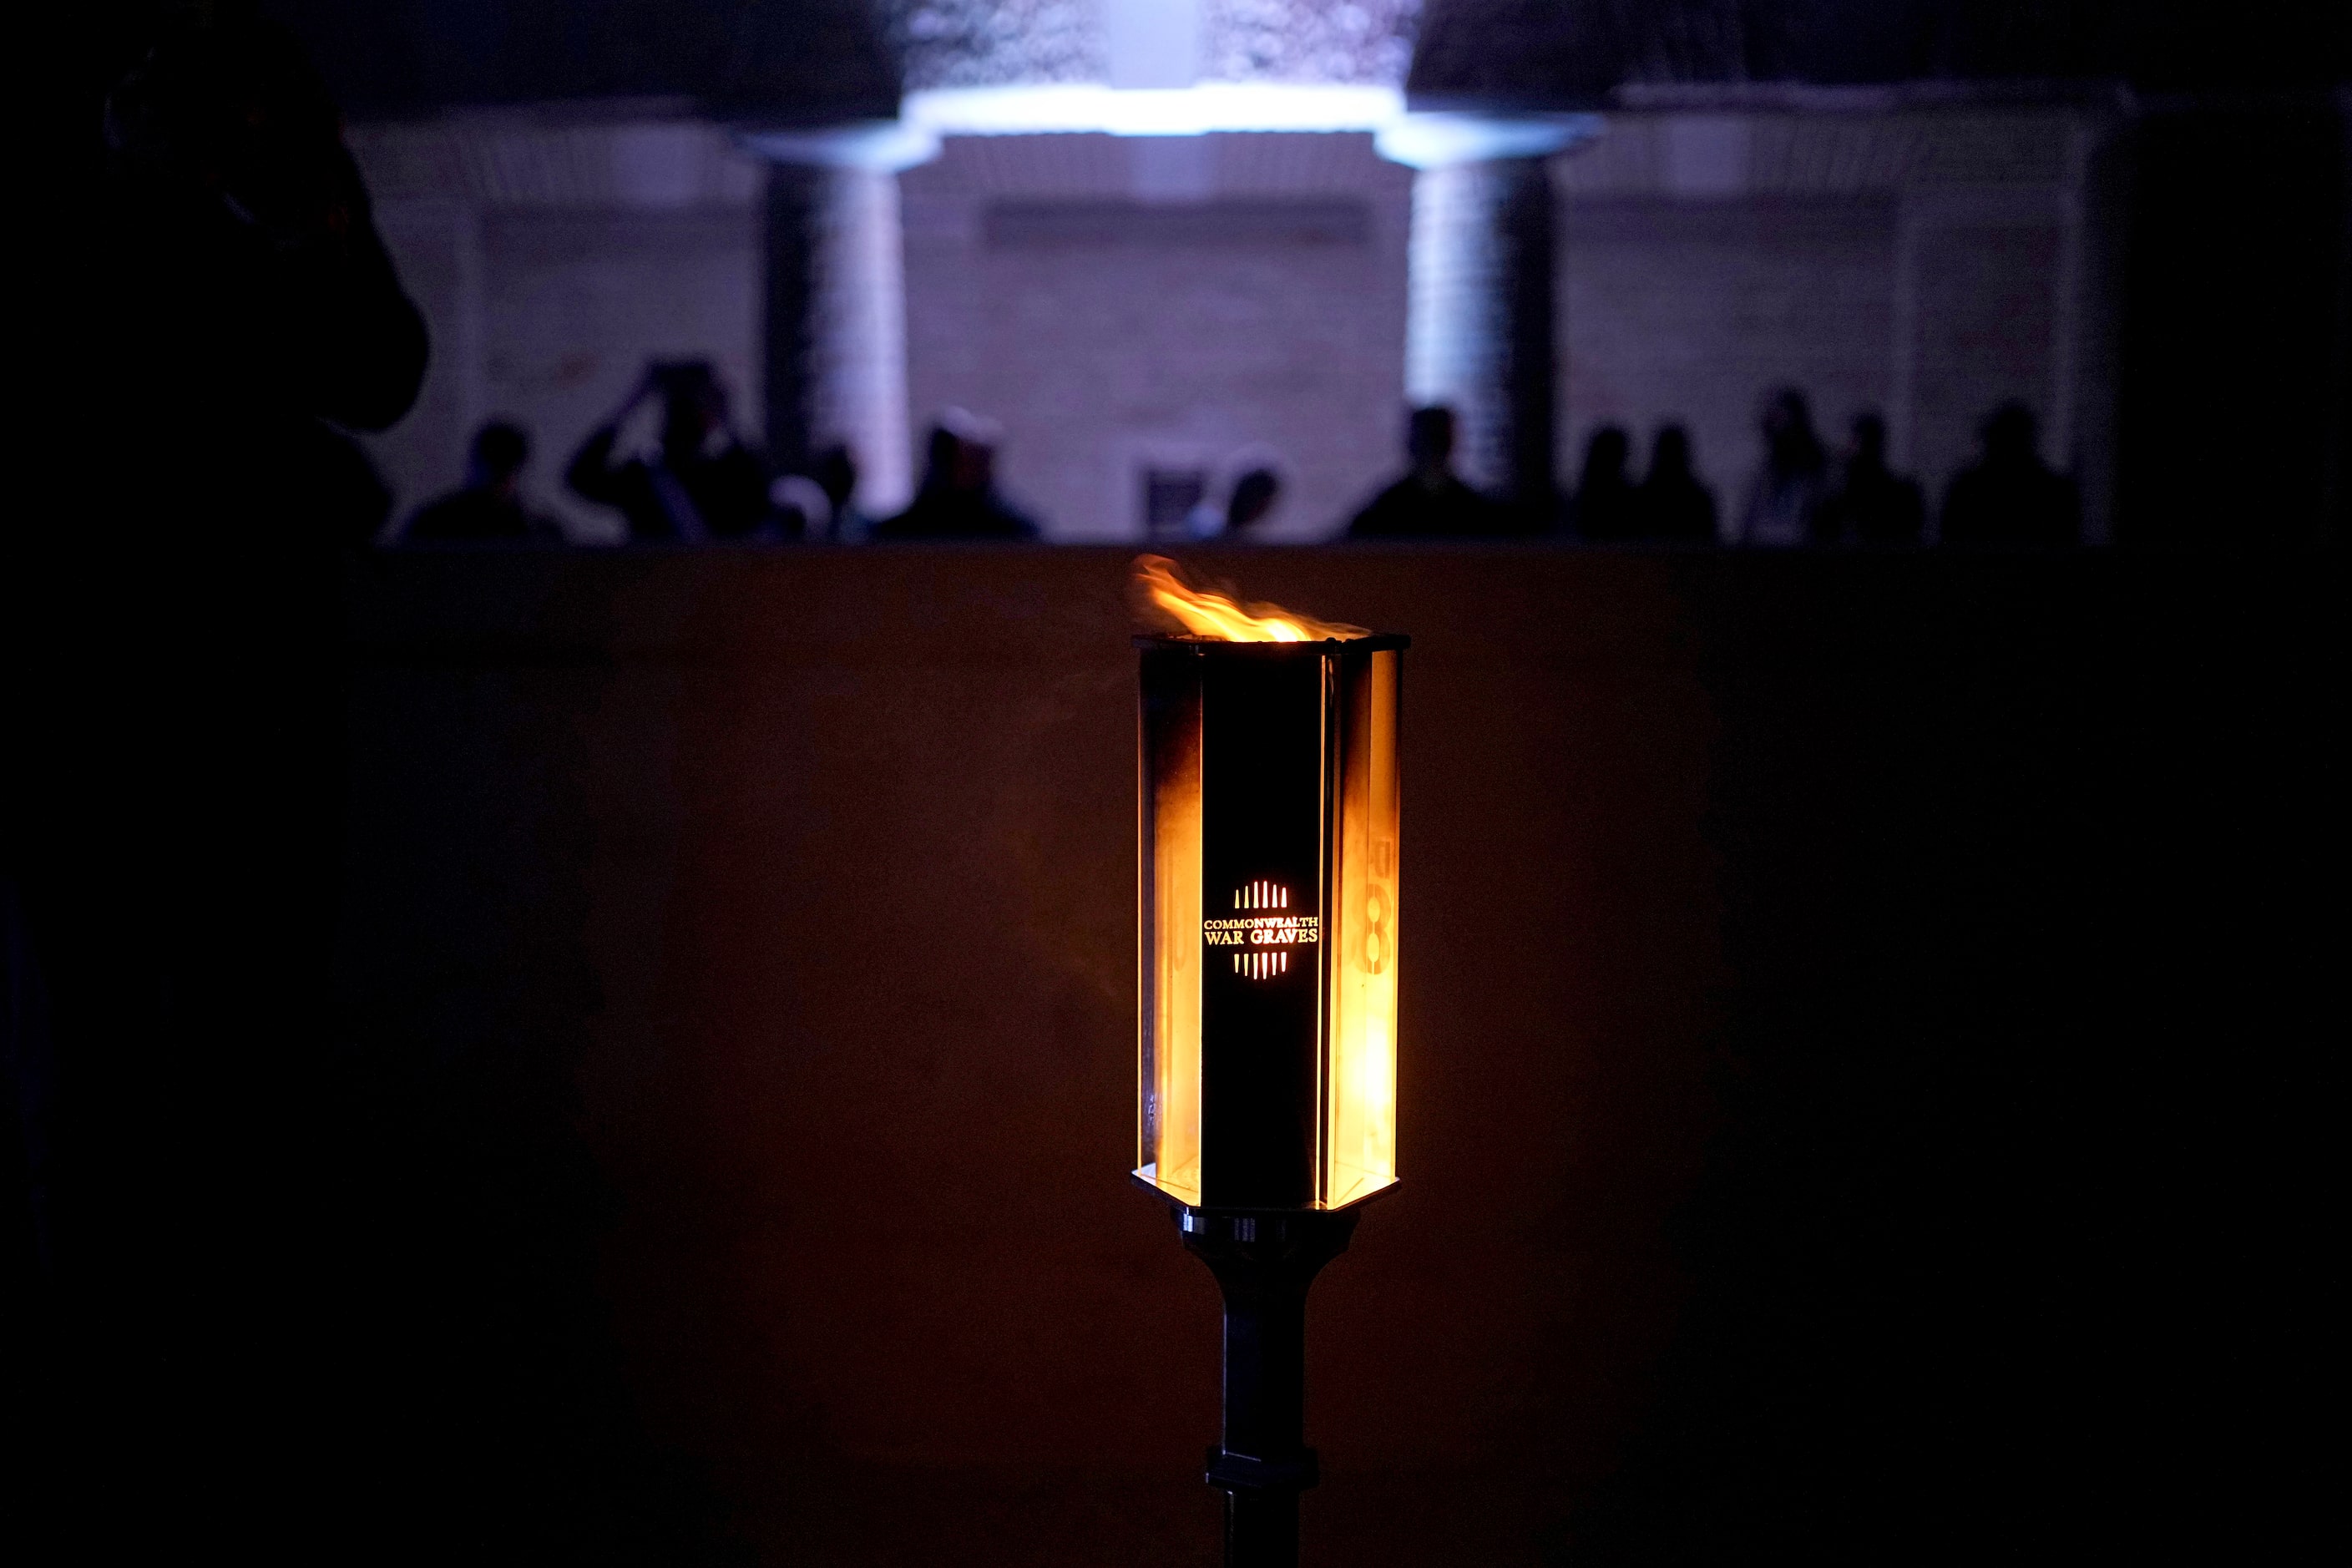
x=1479, y=317
x=835, y=323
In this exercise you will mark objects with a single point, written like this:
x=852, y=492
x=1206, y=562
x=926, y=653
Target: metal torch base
x=1264, y=1260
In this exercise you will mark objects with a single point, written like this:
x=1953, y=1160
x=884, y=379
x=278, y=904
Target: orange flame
x=1162, y=587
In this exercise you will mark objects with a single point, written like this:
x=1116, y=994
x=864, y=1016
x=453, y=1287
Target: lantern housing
x=1268, y=882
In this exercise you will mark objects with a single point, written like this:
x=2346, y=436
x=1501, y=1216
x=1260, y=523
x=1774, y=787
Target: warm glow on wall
x=1269, y=893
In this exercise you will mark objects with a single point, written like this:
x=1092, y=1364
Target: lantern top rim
x=1181, y=642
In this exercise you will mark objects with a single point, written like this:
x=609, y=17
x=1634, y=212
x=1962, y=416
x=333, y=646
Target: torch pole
x=1264, y=1261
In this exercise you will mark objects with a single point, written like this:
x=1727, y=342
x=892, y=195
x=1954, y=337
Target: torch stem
x=1264, y=1263
x=1261, y=1528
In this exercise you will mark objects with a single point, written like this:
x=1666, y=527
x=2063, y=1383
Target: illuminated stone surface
x=993, y=43
x=990, y=42
x=1302, y=40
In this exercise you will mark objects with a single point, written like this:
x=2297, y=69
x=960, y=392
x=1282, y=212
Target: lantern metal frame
x=1303, y=821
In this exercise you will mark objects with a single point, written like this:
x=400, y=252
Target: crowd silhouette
x=959, y=498
x=1672, y=504
x=1604, y=504
x=690, y=478
x=1431, y=500
x=1873, y=504
x=1801, y=494
x=2010, y=495
x=701, y=482
x=491, y=507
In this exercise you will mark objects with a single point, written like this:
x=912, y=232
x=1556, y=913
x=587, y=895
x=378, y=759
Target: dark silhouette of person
x=491, y=507
x=702, y=483
x=1603, y=510
x=2009, y=495
x=1784, y=497
x=246, y=283
x=959, y=498
x=1673, y=505
x=1430, y=501
x=1871, y=503
x=223, y=311
x=835, y=473
x=1252, y=500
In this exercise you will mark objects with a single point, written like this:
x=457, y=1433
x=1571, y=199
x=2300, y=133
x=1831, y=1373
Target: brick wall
x=1199, y=304
x=1925, y=263
x=1691, y=313
x=551, y=262
x=1120, y=304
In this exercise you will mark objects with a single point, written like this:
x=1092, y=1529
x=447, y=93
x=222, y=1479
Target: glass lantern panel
x=1169, y=1068
x=1360, y=1150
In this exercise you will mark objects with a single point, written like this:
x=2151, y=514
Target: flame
x=1208, y=615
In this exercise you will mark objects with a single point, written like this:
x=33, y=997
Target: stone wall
x=1922, y=263
x=1189, y=306
x=553, y=261
x=1181, y=303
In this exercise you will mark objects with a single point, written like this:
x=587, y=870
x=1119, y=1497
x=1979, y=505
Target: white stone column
x=836, y=300
x=1479, y=330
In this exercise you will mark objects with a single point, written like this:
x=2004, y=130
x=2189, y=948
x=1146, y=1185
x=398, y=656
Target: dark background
x=1863, y=1091
x=1861, y=1073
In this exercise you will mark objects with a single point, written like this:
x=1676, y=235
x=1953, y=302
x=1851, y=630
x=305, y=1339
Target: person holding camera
x=700, y=483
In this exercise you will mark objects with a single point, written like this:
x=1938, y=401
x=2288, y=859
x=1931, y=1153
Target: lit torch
x=1267, y=1089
